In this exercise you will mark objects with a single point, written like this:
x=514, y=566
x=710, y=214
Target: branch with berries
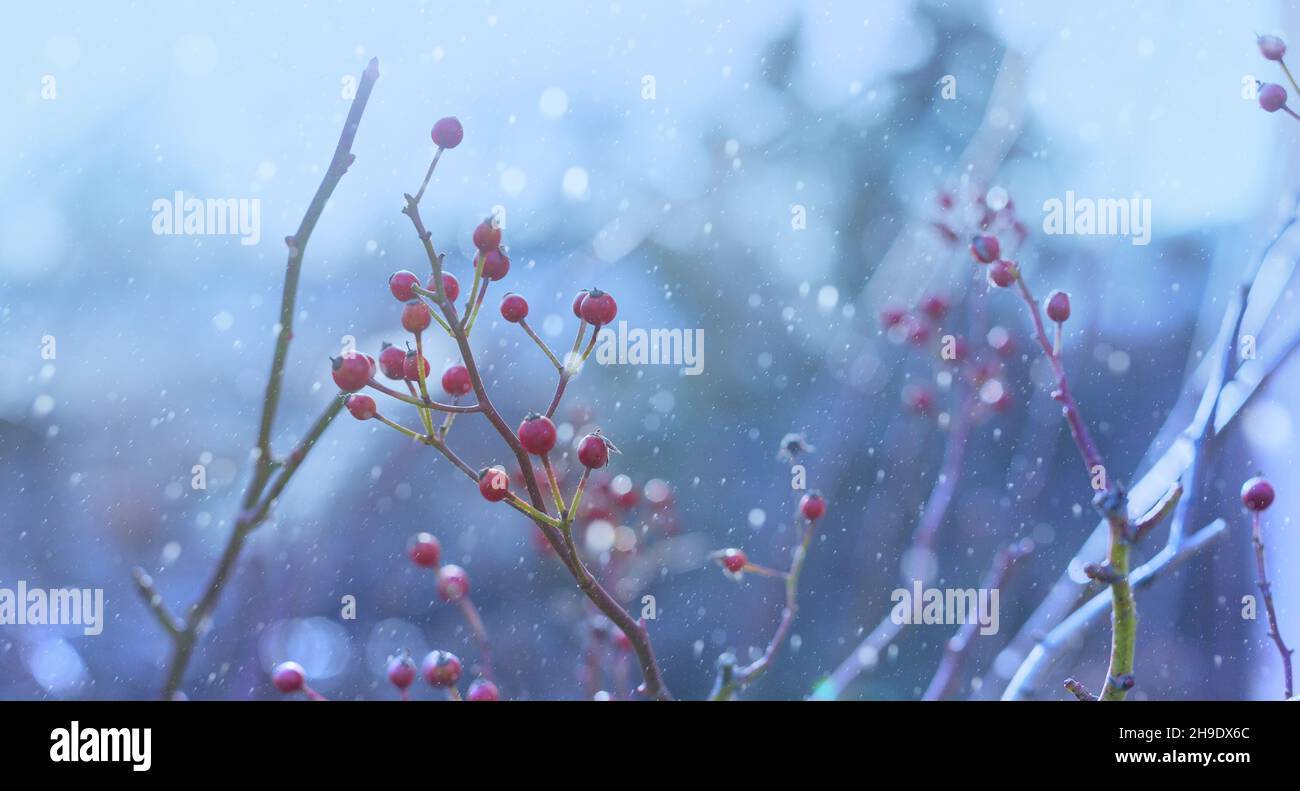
x=1110, y=498
x=1272, y=97
x=732, y=678
x=1056, y=621
x=1257, y=495
x=434, y=304
x=270, y=474
x=980, y=388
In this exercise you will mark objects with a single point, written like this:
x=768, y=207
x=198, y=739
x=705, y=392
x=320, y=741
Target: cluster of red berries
x=987, y=218
x=435, y=301
x=442, y=669
x=425, y=551
x=538, y=435
x=983, y=369
x=968, y=210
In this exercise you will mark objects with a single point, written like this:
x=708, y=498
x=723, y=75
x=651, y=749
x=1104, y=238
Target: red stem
x=1087, y=448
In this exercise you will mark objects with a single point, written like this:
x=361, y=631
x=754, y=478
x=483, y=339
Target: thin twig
x=733, y=679
x=1266, y=590
x=541, y=344
x=476, y=626
x=257, y=500
x=1077, y=689
x=945, y=679
x=197, y=618
x=938, y=502
x=144, y=584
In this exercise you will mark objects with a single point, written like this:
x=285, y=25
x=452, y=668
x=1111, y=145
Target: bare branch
x=257, y=500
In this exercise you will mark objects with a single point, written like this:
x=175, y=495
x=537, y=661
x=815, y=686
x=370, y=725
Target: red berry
x=985, y=248
x=362, y=407
x=1272, y=97
x=514, y=308
x=441, y=668
x=537, y=434
x=482, y=689
x=455, y=380
x=392, y=361
x=621, y=641
x=918, y=399
x=577, y=302
x=453, y=582
x=416, y=317
x=935, y=306
x=495, y=264
x=1058, y=306
x=919, y=333
x=447, y=132
x=891, y=317
x=400, y=284
x=494, y=484
x=733, y=560
x=593, y=451
x=450, y=286
x=288, y=677
x=424, y=550
x=1271, y=47
x=487, y=236
x=1003, y=273
x=401, y=671
x=411, y=368
x=352, y=372
x=1257, y=494
x=598, y=308
x=812, y=506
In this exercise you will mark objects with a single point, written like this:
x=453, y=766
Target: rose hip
x=456, y=381
x=424, y=550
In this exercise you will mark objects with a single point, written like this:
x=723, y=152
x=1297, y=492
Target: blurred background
x=772, y=173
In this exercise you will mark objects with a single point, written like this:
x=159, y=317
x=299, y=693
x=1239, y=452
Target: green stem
x=478, y=303
x=1289, y=78
x=515, y=502
x=473, y=290
x=454, y=408
x=572, y=510
x=1119, y=678
x=554, y=484
x=550, y=355
x=415, y=435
